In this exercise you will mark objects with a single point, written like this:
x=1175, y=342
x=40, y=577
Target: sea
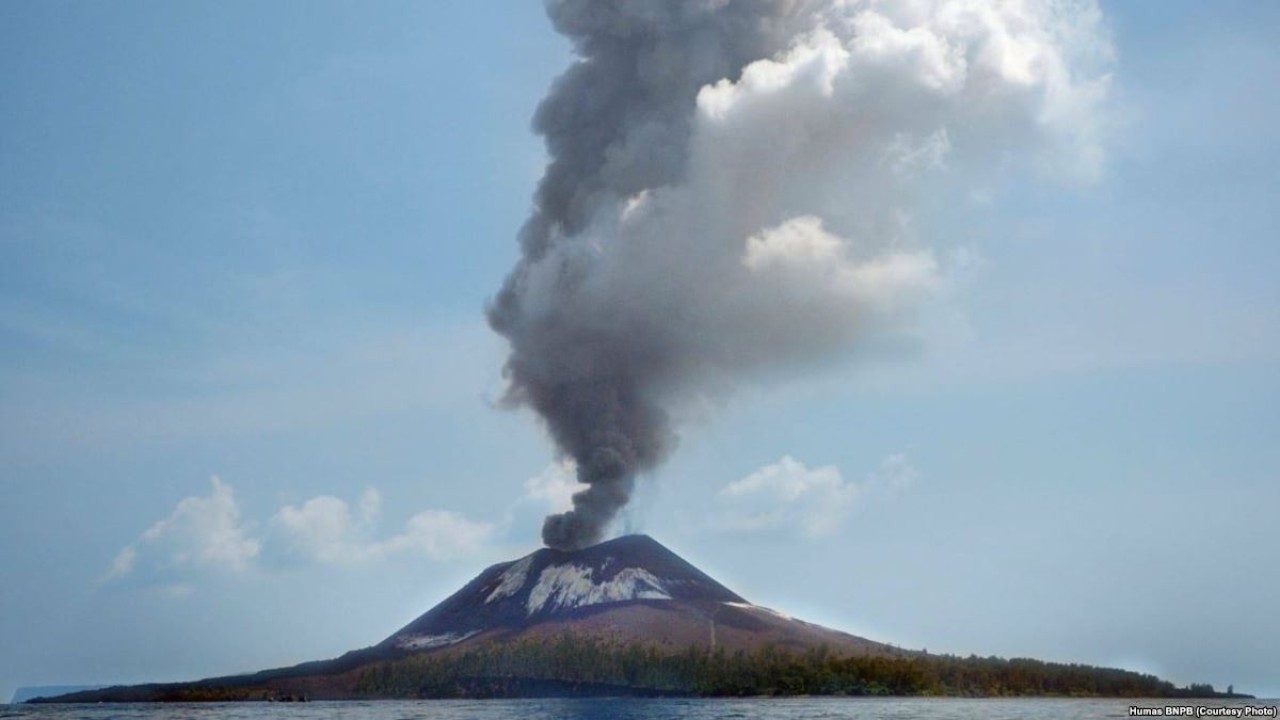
x=653, y=709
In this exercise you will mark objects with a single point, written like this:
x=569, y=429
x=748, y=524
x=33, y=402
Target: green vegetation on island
x=571, y=665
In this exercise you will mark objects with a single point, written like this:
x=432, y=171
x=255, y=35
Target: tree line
x=576, y=665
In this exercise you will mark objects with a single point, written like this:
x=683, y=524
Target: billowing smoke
x=731, y=190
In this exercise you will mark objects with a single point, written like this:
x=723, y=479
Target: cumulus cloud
x=789, y=496
x=554, y=486
x=202, y=533
x=205, y=534
x=439, y=535
x=895, y=474
x=123, y=563
x=325, y=529
x=322, y=529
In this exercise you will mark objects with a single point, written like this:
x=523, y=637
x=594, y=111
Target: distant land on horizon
x=630, y=617
x=30, y=692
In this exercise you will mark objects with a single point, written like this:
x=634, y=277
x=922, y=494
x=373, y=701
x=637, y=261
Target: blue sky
x=254, y=242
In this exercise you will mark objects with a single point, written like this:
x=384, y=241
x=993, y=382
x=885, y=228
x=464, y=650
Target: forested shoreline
x=572, y=665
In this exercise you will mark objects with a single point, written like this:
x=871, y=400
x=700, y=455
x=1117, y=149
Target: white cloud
x=896, y=473
x=124, y=562
x=370, y=504
x=321, y=529
x=325, y=530
x=202, y=533
x=555, y=486
x=788, y=496
x=206, y=534
x=439, y=535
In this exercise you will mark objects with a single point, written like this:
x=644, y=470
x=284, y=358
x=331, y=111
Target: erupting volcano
x=628, y=592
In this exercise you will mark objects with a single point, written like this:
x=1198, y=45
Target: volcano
x=630, y=617
x=630, y=591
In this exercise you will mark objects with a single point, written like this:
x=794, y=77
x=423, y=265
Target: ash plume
x=732, y=187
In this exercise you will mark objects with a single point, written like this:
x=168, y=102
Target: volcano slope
x=628, y=617
x=628, y=590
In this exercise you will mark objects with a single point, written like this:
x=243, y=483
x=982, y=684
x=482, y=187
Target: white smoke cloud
x=735, y=187
x=789, y=496
x=202, y=533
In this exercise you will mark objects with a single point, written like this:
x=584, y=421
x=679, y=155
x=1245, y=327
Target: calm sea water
x=623, y=709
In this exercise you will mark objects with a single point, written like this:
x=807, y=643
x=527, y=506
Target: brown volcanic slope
x=629, y=590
